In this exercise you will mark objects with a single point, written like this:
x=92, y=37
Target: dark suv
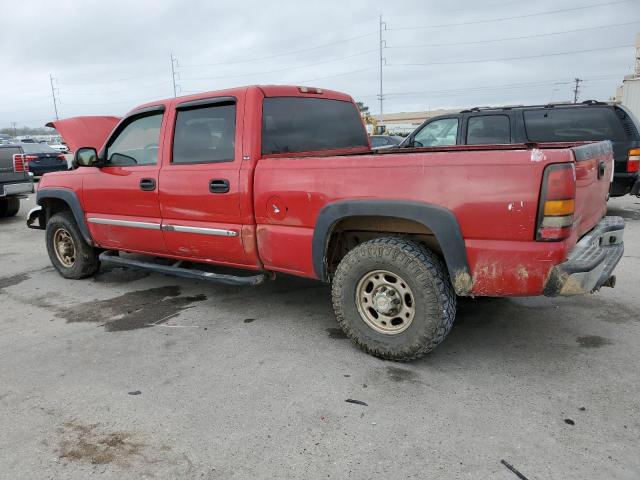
x=584, y=121
x=15, y=181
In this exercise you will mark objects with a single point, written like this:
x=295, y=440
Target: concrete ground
x=251, y=383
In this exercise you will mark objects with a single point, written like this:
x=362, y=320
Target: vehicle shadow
x=539, y=332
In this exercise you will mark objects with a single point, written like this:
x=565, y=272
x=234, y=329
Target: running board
x=113, y=258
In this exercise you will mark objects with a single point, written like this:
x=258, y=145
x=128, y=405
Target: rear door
x=199, y=183
x=121, y=197
x=492, y=129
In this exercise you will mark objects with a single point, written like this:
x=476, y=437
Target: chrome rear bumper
x=591, y=262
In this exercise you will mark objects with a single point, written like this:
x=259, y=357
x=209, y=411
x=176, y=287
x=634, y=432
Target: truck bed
x=492, y=190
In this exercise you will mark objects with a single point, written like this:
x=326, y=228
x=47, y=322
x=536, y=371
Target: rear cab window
x=573, y=124
x=488, y=130
x=297, y=125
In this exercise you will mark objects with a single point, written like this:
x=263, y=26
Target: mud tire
x=86, y=257
x=429, y=281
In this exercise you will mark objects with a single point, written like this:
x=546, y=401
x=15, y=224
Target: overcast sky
x=109, y=56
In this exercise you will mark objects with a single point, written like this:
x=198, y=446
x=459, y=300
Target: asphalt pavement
x=133, y=375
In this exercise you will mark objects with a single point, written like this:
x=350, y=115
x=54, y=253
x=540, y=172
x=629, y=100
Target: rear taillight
x=20, y=163
x=30, y=158
x=62, y=158
x=557, y=202
x=633, y=163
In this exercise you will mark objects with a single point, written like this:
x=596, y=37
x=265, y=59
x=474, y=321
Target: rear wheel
x=9, y=206
x=71, y=256
x=394, y=298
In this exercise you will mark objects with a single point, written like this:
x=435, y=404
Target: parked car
x=15, y=181
x=43, y=159
x=385, y=141
x=282, y=179
x=59, y=146
x=583, y=122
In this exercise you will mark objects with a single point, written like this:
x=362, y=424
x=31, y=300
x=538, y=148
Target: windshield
x=37, y=148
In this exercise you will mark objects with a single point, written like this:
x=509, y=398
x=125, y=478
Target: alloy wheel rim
x=64, y=247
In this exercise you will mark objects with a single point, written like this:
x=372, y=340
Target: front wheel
x=394, y=298
x=71, y=256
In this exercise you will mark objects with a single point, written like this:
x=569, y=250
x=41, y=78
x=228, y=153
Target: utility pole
x=53, y=94
x=174, y=64
x=636, y=72
x=576, y=90
x=383, y=26
x=15, y=132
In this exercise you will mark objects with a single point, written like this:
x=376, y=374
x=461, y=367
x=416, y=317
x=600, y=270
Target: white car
x=60, y=147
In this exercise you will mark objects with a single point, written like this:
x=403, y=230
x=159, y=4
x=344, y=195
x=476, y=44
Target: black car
x=385, y=141
x=586, y=121
x=42, y=158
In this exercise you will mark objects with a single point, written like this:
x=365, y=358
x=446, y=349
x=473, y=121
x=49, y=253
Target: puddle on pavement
x=133, y=310
x=12, y=280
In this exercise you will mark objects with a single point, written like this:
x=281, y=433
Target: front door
x=199, y=185
x=121, y=197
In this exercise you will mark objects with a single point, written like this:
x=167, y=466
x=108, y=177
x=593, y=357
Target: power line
x=351, y=72
x=283, y=54
x=490, y=89
x=284, y=69
x=506, y=59
x=122, y=90
x=537, y=35
x=500, y=19
x=117, y=80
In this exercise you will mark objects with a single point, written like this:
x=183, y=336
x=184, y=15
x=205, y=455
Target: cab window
x=137, y=143
x=573, y=124
x=205, y=134
x=488, y=129
x=437, y=133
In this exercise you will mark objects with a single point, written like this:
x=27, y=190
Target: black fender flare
x=71, y=199
x=441, y=221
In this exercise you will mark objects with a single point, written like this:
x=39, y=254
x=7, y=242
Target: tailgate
x=594, y=171
x=7, y=173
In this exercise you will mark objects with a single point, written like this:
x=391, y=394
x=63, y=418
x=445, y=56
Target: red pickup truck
x=283, y=179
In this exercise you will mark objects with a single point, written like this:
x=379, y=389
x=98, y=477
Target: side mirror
x=86, y=157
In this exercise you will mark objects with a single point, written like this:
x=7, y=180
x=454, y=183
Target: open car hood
x=89, y=131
